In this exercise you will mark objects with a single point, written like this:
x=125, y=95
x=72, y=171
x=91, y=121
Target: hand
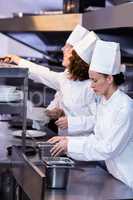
x=55, y=113
x=55, y=139
x=60, y=147
x=10, y=59
x=62, y=122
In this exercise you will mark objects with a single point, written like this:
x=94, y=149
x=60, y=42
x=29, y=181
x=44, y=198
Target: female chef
x=73, y=84
x=112, y=140
x=54, y=109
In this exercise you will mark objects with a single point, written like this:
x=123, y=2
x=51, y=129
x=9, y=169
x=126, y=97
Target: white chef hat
x=106, y=58
x=77, y=34
x=84, y=48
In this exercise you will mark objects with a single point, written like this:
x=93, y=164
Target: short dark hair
x=119, y=79
x=78, y=69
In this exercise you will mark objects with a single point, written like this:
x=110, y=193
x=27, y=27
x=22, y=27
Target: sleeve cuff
x=23, y=63
x=81, y=125
x=76, y=144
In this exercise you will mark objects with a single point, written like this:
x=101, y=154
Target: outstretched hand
x=10, y=59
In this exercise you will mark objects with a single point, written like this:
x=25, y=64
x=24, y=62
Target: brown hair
x=78, y=69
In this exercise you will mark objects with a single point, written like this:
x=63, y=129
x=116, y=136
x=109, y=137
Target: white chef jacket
x=56, y=102
x=77, y=97
x=112, y=140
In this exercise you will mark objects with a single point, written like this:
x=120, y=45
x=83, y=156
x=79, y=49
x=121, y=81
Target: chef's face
x=100, y=82
x=67, y=52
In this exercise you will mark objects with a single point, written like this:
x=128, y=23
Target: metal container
x=57, y=177
x=57, y=171
x=44, y=149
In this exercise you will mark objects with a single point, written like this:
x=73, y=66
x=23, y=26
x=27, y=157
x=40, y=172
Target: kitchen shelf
x=10, y=72
x=111, y=17
x=11, y=108
x=18, y=107
x=60, y=22
x=119, y=16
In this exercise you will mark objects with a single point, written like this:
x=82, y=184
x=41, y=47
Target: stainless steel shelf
x=60, y=22
x=15, y=72
x=11, y=108
x=16, y=107
x=110, y=17
x=119, y=16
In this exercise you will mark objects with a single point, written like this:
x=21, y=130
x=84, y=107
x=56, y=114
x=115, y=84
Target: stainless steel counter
x=88, y=183
x=91, y=184
x=7, y=139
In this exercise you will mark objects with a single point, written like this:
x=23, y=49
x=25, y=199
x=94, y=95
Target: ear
x=110, y=79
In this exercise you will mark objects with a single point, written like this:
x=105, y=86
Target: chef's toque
x=85, y=47
x=106, y=58
x=77, y=34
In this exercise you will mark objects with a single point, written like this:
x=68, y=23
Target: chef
x=54, y=109
x=77, y=99
x=112, y=140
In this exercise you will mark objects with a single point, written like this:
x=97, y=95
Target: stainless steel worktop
x=87, y=183
x=91, y=184
x=7, y=139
